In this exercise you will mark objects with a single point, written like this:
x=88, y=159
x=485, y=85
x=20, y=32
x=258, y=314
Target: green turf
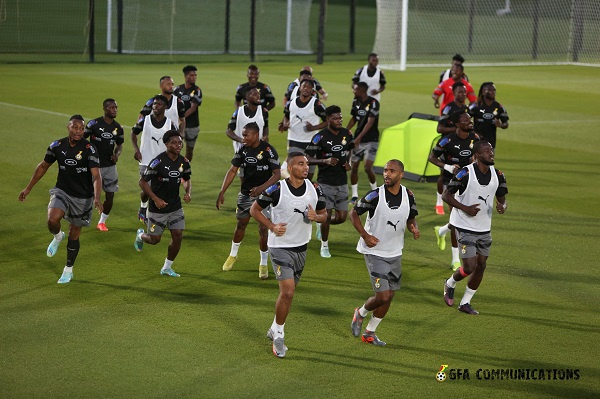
x=122, y=330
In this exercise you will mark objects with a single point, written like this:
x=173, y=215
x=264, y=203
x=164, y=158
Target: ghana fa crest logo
x=441, y=374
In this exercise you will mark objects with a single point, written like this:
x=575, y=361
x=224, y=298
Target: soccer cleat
x=318, y=233
x=138, y=244
x=439, y=209
x=353, y=200
x=325, y=253
x=228, y=265
x=441, y=239
x=455, y=266
x=466, y=308
x=102, y=227
x=53, y=247
x=356, y=324
x=270, y=335
x=263, y=272
x=169, y=272
x=448, y=295
x=142, y=214
x=370, y=338
x=65, y=278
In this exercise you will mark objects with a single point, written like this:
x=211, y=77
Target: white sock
x=139, y=236
x=264, y=257
x=144, y=204
x=468, y=296
x=277, y=328
x=363, y=312
x=373, y=185
x=235, y=246
x=444, y=229
x=355, y=190
x=451, y=282
x=103, y=218
x=373, y=323
x=455, y=255
x=70, y=269
x=168, y=264
x=58, y=236
x=324, y=244
x=439, y=201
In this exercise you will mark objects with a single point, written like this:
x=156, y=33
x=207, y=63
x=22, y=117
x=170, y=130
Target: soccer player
x=330, y=149
x=301, y=118
x=372, y=76
x=161, y=183
x=295, y=203
x=451, y=153
x=488, y=114
x=446, y=126
x=365, y=112
x=457, y=59
x=191, y=96
x=106, y=134
x=267, y=99
x=292, y=89
x=175, y=109
x=76, y=192
x=468, y=193
x=251, y=112
x=391, y=209
x=152, y=127
x=261, y=170
x=445, y=88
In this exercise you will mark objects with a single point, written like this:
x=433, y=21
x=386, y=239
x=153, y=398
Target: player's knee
x=242, y=223
x=153, y=240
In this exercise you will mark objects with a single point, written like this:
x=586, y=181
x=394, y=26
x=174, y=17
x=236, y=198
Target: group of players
x=285, y=209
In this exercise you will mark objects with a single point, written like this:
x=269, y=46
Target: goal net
x=199, y=27
x=489, y=32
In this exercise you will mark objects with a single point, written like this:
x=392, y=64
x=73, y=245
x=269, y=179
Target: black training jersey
x=164, y=176
x=74, y=164
x=266, y=95
x=189, y=95
x=456, y=150
x=250, y=114
x=459, y=182
x=361, y=112
x=445, y=118
x=371, y=199
x=104, y=137
x=271, y=195
x=325, y=145
x=484, y=119
x=258, y=163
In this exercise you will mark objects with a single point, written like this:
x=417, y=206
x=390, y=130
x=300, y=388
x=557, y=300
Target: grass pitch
x=122, y=330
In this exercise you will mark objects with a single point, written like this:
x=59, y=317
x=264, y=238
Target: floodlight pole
x=352, y=26
x=91, y=38
x=321, y=35
x=252, y=28
x=403, y=38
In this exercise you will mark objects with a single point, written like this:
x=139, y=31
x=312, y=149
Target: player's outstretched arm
x=38, y=173
x=227, y=180
x=97, y=182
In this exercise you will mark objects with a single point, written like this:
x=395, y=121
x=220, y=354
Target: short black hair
x=252, y=67
x=459, y=66
x=170, y=133
x=372, y=55
x=249, y=90
x=188, y=69
x=162, y=98
x=398, y=162
x=455, y=116
x=108, y=100
x=305, y=72
x=332, y=109
x=163, y=78
x=478, y=145
x=76, y=117
x=312, y=82
x=459, y=58
x=252, y=126
x=456, y=85
x=362, y=85
x=293, y=155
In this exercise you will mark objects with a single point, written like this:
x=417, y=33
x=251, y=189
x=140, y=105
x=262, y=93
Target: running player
x=161, y=183
x=488, y=114
x=468, y=194
x=391, y=209
x=261, y=170
x=445, y=88
x=106, y=134
x=175, y=109
x=372, y=76
x=251, y=112
x=295, y=203
x=191, y=96
x=292, y=89
x=267, y=99
x=76, y=193
x=330, y=149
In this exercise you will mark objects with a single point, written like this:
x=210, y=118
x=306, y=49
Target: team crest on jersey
x=154, y=163
x=317, y=138
x=272, y=189
x=344, y=140
x=495, y=112
x=377, y=283
x=372, y=195
x=471, y=145
x=152, y=228
x=259, y=156
x=462, y=173
x=78, y=156
x=180, y=168
x=114, y=132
